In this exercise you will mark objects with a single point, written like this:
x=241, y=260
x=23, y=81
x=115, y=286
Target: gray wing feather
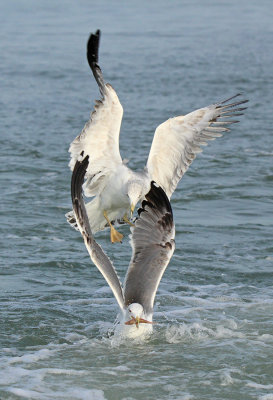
x=153, y=246
x=99, y=258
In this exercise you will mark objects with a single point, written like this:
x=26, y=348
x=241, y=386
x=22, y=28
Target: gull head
x=135, y=314
x=135, y=193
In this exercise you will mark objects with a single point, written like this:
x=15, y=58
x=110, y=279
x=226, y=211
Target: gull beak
x=138, y=321
x=133, y=321
x=144, y=321
x=132, y=209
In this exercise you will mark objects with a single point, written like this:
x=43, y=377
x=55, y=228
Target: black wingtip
x=230, y=98
x=93, y=59
x=93, y=48
x=156, y=198
x=223, y=104
x=78, y=178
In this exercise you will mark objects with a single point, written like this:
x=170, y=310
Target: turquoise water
x=214, y=337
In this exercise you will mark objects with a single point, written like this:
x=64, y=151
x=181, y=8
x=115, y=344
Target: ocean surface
x=214, y=334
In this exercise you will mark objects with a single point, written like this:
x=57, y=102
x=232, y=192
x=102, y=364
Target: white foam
x=121, y=337
x=266, y=337
x=86, y=394
x=32, y=357
x=75, y=393
x=266, y=397
x=62, y=371
x=75, y=338
x=226, y=378
x=11, y=375
x=222, y=332
x=176, y=333
x=80, y=301
x=122, y=368
x=259, y=385
x=25, y=393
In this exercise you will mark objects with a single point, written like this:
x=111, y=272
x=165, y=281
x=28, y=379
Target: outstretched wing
x=99, y=258
x=153, y=246
x=99, y=138
x=177, y=141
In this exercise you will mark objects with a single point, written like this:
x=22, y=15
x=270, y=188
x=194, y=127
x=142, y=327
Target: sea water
x=214, y=333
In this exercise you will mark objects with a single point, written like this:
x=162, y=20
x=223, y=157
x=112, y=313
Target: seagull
x=115, y=187
x=152, y=244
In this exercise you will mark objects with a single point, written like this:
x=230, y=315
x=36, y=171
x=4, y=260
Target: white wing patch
x=99, y=140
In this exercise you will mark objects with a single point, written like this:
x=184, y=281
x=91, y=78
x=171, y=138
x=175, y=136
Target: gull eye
x=129, y=310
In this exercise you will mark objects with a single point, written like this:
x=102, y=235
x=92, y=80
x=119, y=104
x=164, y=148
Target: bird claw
x=115, y=236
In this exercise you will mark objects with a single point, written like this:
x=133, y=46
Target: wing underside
x=178, y=140
x=99, y=138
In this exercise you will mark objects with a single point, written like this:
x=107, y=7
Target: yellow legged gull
x=115, y=187
x=152, y=244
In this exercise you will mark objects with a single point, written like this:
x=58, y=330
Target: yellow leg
x=125, y=218
x=115, y=236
